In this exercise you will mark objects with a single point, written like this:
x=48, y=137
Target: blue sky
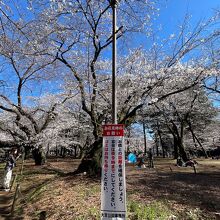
x=172, y=12
x=170, y=16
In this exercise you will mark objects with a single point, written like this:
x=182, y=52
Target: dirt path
x=5, y=204
x=64, y=197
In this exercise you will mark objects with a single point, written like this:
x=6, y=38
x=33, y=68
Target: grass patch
x=137, y=211
x=34, y=195
x=160, y=211
x=94, y=213
x=194, y=214
x=152, y=211
x=85, y=192
x=2, y=165
x=19, y=211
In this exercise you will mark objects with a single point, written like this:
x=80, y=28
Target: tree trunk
x=145, y=139
x=157, y=149
x=91, y=162
x=64, y=150
x=26, y=152
x=161, y=142
x=75, y=151
x=175, y=147
x=39, y=156
x=57, y=152
x=48, y=150
x=195, y=138
x=182, y=152
x=163, y=151
x=179, y=149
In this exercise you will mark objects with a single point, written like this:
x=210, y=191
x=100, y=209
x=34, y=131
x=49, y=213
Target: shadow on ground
x=201, y=190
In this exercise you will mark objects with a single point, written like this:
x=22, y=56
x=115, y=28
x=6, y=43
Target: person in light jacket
x=10, y=164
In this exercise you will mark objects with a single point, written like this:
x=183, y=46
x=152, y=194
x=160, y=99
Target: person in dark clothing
x=140, y=163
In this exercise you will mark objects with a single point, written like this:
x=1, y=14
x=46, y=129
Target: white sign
x=113, y=190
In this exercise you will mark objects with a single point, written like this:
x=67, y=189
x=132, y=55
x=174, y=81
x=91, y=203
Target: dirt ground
x=49, y=191
x=180, y=187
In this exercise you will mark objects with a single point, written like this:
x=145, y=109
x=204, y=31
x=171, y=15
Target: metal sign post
x=113, y=188
x=114, y=61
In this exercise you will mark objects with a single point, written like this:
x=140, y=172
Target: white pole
x=114, y=61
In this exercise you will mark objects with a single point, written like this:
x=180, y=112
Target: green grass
x=85, y=192
x=137, y=211
x=94, y=213
x=159, y=210
x=152, y=211
x=2, y=165
x=35, y=195
x=194, y=214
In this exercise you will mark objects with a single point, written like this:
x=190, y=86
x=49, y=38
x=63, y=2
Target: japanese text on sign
x=113, y=201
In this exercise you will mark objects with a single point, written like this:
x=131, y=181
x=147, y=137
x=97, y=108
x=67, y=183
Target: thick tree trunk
x=91, y=162
x=75, y=151
x=39, y=156
x=63, y=152
x=182, y=151
x=26, y=152
x=179, y=149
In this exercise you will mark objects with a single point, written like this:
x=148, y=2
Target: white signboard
x=113, y=191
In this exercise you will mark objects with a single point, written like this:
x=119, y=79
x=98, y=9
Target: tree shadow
x=6, y=200
x=5, y=203
x=195, y=190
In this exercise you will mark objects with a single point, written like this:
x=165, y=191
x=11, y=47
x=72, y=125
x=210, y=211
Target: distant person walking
x=10, y=164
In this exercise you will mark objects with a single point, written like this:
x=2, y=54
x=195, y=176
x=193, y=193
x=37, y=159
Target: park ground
x=165, y=192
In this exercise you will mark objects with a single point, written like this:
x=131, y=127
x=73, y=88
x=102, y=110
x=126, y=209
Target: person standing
x=10, y=164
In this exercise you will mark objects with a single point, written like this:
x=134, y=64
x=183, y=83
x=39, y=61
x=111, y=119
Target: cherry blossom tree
x=73, y=38
x=185, y=116
x=24, y=66
x=83, y=28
